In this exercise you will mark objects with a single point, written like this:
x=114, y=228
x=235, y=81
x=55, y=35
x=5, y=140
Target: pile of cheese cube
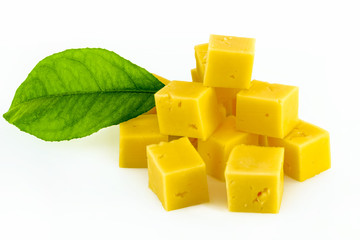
x=246, y=133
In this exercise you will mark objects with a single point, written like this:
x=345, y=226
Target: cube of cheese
x=216, y=149
x=195, y=76
x=229, y=62
x=307, y=151
x=267, y=109
x=255, y=179
x=177, y=174
x=135, y=135
x=187, y=109
x=201, y=52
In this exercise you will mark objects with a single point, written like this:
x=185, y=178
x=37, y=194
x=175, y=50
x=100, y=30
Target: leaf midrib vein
x=86, y=93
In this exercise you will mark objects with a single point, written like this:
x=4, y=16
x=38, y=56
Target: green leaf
x=76, y=92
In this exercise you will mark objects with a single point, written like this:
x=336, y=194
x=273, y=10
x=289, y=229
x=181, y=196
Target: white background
x=75, y=189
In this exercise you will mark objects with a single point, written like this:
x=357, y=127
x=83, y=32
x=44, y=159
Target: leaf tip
x=5, y=116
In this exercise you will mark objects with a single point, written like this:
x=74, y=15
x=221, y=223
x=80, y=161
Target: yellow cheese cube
x=177, y=174
x=267, y=109
x=255, y=179
x=229, y=62
x=194, y=75
x=201, y=52
x=216, y=149
x=307, y=151
x=135, y=135
x=187, y=109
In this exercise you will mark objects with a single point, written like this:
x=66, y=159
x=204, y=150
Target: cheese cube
x=195, y=76
x=255, y=179
x=177, y=174
x=216, y=149
x=187, y=109
x=229, y=62
x=135, y=135
x=267, y=109
x=307, y=151
x=201, y=52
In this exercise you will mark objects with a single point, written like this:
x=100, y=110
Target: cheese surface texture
x=177, y=174
x=267, y=109
x=135, y=135
x=255, y=179
x=216, y=149
x=187, y=109
x=229, y=62
x=307, y=151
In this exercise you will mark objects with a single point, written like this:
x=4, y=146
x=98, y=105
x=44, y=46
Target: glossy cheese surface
x=229, y=62
x=267, y=109
x=216, y=149
x=307, y=151
x=254, y=179
x=135, y=135
x=187, y=109
x=177, y=174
